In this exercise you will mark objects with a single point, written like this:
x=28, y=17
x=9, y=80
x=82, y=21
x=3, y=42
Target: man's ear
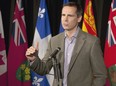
x=79, y=18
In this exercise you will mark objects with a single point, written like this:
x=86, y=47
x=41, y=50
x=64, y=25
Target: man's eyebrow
x=68, y=14
x=71, y=15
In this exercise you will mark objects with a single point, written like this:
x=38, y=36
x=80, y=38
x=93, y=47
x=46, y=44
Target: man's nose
x=66, y=18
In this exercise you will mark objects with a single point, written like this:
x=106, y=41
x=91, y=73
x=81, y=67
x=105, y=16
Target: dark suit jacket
x=86, y=66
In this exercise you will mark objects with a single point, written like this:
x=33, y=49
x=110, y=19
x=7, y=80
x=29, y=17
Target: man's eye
x=63, y=14
x=71, y=15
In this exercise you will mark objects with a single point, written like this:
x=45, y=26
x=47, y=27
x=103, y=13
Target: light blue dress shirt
x=69, y=46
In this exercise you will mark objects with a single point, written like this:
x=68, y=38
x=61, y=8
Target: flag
x=3, y=57
x=61, y=28
x=88, y=19
x=42, y=36
x=110, y=45
x=18, y=72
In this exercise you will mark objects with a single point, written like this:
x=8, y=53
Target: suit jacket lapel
x=61, y=54
x=79, y=43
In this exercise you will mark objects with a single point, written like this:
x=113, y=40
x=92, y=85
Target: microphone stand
x=57, y=72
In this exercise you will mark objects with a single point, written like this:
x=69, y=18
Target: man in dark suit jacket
x=80, y=57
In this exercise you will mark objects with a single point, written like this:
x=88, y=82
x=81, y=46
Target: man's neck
x=70, y=33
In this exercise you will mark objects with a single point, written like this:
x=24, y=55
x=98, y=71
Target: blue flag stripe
x=61, y=28
x=43, y=24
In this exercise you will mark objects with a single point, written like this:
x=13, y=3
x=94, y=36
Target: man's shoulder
x=57, y=40
x=89, y=36
x=60, y=35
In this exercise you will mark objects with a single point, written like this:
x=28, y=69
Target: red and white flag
x=110, y=46
x=18, y=72
x=3, y=57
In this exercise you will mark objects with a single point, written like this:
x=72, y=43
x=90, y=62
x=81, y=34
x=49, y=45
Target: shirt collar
x=75, y=34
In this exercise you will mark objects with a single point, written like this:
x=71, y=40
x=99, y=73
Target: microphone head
x=55, y=52
x=58, y=48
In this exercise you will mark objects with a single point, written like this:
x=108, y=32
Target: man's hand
x=32, y=52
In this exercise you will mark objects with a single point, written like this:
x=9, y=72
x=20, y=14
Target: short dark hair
x=76, y=5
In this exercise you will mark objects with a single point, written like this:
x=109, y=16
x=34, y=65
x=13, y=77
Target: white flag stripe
x=50, y=77
x=41, y=42
x=1, y=26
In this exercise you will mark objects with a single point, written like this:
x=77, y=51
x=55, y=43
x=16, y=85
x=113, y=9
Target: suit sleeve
x=98, y=66
x=43, y=66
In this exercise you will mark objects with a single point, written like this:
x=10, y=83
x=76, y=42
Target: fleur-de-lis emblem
x=41, y=12
x=37, y=81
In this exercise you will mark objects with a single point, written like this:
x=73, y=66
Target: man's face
x=69, y=18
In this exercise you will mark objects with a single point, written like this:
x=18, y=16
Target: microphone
x=56, y=66
x=55, y=52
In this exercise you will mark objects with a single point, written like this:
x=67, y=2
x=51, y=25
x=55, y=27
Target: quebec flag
x=41, y=38
x=61, y=28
